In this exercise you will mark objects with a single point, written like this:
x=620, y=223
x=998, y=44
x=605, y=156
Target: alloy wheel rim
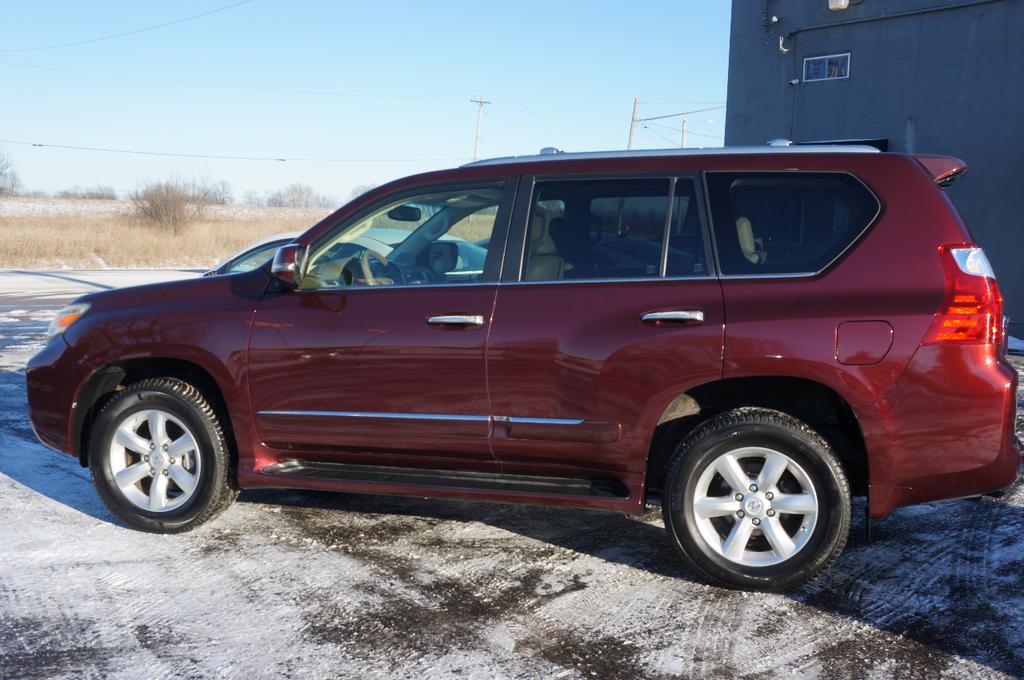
x=755, y=506
x=154, y=460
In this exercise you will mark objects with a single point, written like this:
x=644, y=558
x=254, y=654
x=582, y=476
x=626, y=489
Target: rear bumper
x=946, y=430
x=50, y=384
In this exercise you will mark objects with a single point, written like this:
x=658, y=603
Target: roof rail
x=775, y=148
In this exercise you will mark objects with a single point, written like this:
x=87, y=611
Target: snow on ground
x=1016, y=345
x=289, y=584
x=67, y=283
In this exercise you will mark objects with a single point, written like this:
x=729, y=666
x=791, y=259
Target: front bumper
x=50, y=384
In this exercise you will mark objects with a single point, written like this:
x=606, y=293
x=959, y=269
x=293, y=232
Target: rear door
x=609, y=310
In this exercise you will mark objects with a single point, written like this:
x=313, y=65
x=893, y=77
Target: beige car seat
x=752, y=247
x=543, y=263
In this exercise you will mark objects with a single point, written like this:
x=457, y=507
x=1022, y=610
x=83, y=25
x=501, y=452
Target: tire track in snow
x=376, y=587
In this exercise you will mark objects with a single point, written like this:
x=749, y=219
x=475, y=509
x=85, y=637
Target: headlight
x=65, y=317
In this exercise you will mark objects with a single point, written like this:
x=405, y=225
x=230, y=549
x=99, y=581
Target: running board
x=453, y=479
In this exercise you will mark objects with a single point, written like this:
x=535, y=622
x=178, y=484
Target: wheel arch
x=814, y=402
x=104, y=383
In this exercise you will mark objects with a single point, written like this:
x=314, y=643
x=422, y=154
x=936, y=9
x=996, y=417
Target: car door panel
x=363, y=371
x=577, y=372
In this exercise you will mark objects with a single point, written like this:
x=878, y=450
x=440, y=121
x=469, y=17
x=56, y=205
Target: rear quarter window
x=786, y=222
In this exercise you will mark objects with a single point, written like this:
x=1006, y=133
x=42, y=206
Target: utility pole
x=632, y=122
x=479, y=116
x=684, y=114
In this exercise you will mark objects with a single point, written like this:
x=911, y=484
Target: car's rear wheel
x=756, y=499
x=159, y=458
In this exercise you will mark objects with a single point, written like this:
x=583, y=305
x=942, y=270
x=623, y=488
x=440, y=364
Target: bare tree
x=10, y=183
x=361, y=189
x=298, y=196
x=292, y=196
x=100, y=191
x=172, y=204
x=211, y=193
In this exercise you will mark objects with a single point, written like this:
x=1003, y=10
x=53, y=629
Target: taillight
x=972, y=310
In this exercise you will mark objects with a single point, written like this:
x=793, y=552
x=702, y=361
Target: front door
x=614, y=313
x=378, y=357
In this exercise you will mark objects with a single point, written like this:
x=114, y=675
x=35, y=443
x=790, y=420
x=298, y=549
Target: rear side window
x=786, y=222
x=614, y=229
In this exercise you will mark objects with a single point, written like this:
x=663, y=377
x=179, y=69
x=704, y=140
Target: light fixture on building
x=840, y=5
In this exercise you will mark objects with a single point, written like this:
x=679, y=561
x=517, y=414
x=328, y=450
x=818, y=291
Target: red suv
x=750, y=337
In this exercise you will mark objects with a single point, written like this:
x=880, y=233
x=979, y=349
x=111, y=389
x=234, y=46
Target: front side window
x=440, y=237
x=786, y=222
x=614, y=229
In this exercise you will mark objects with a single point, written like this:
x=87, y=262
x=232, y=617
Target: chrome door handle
x=474, y=320
x=693, y=316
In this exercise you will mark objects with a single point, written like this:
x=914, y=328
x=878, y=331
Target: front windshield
x=430, y=238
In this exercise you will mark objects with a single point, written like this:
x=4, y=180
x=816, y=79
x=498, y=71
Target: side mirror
x=285, y=267
x=443, y=257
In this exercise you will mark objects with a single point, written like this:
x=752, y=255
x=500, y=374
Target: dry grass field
x=94, y=234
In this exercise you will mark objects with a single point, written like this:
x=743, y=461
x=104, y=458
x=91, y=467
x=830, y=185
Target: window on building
x=828, y=67
x=786, y=222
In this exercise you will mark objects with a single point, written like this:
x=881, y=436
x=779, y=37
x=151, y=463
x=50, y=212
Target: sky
x=371, y=90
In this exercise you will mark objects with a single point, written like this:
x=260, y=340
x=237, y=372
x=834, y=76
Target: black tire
x=782, y=433
x=214, y=491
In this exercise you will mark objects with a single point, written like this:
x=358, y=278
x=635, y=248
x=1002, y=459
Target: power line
x=698, y=103
x=689, y=132
x=635, y=119
x=650, y=129
x=127, y=33
x=682, y=113
x=136, y=152
x=704, y=134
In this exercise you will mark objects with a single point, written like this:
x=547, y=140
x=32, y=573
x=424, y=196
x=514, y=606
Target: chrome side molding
x=554, y=429
x=541, y=421
x=426, y=416
x=373, y=414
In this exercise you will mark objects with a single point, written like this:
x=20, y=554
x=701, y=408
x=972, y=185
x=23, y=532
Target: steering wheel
x=364, y=264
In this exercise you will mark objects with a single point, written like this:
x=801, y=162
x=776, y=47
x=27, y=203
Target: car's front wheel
x=756, y=499
x=159, y=458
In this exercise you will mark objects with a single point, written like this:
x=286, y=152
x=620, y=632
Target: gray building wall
x=945, y=82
